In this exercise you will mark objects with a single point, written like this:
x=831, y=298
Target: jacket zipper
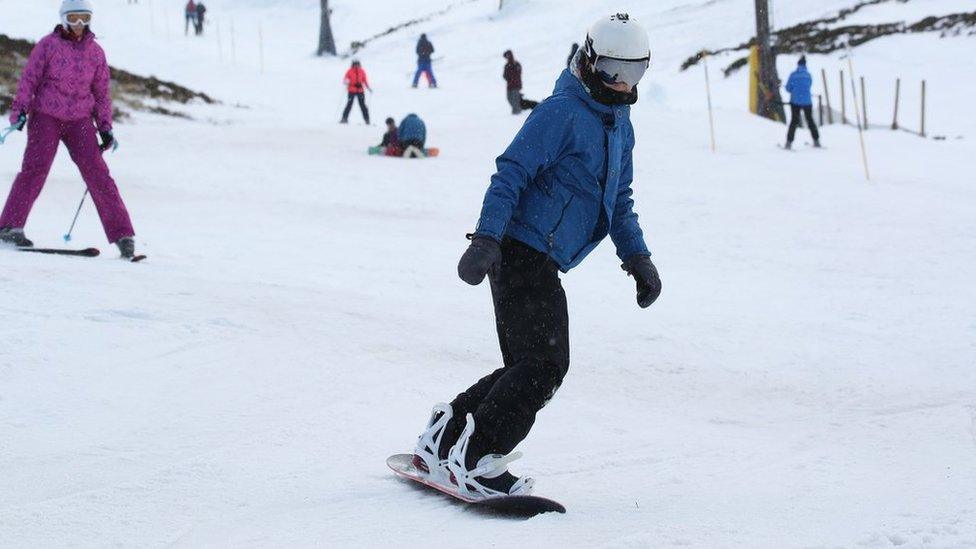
x=551, y=240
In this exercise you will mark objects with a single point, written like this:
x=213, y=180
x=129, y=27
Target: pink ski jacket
x=67, y=79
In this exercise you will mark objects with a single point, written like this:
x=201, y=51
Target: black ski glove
x=483, y=256
x=21, y=122
x=648, y=281
x=108, y=141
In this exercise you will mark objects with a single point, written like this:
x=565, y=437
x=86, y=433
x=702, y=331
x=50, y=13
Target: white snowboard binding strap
x=429, y=445
x=488, y=467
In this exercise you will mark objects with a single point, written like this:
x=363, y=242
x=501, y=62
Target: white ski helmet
x=621, y=43
x=75, y=6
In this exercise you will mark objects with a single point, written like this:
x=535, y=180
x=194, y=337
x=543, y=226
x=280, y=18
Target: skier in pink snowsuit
x=64, y=93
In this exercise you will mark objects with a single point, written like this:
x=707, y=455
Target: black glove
x=648, y=281
x=483, y=256
x=21, y=122
x=108, y=141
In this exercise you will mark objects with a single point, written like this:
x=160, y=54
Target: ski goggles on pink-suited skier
x=78, y=18
x=614, y=71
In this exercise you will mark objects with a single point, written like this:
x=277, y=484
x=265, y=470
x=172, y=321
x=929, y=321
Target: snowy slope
x=806, y=379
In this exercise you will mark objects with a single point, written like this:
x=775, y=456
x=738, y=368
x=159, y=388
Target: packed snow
x=806, y=379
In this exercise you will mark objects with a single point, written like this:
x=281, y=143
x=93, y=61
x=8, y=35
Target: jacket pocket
x=551, y=237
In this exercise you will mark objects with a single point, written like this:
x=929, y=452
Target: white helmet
x=75, y=6
x=622, y=43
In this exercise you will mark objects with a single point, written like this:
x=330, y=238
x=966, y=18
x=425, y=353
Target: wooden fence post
x=923, y=109
x=894, y=123
x=830, y=115
x=864, y=105
x=843, y=100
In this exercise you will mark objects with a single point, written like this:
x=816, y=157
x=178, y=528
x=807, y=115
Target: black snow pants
x=533, y=331
x=362, y=106
x=807, y=110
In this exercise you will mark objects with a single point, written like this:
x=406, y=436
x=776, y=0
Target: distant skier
x=413, y=136
x=391, y=139
x=201, y=17
x=572, y=54
x=64, y=86
x=356, y=84
x=562, y=186
x=190, y=11
x=424, y=64
x=801, y=101
x=513, y=81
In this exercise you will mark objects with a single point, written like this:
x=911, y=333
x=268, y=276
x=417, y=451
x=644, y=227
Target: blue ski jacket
x=564, y=182
x=799, y=86
x=411, y=128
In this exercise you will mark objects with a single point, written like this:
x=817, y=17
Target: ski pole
x=67, y=237
x=5, y=132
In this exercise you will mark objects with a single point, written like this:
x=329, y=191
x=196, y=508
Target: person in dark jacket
x=424, y=64
x=561, y=187
x=391, y=139
x=801, y=101
x=513, y=82
x=201, y=16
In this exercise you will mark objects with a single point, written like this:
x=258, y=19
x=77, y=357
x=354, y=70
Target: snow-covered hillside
x=806, y=379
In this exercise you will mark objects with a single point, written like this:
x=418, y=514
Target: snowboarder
x=801, y=101
x=391, y=139
x=561, y=187
x=201, y=17
x=413, y=136
x=424, y=64
x=356, y=84
x=190, y=11
x=513, y=82
x=64, y=87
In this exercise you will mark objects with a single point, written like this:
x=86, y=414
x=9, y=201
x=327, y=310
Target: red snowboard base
x=516, y=506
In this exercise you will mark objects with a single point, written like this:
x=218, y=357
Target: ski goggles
x=614, y=71
x=78, y=18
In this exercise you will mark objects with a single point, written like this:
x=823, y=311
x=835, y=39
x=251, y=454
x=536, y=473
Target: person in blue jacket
x=561, y=187
x=801, y=101
x=413, y=136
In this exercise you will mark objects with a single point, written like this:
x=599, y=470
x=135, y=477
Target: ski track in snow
x=806, y=379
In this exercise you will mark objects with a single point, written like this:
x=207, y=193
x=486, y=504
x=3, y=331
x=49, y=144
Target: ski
x=87, y=252
x=511, y=506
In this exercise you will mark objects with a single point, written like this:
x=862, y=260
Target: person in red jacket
x=356, y=83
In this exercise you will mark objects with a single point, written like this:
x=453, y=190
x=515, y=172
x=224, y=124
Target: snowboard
x=432, y=152
x=513, y=506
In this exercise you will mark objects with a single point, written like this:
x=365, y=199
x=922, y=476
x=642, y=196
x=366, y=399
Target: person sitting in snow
x=413, y=136
x=801, y=101
x=391, y=139
x=64, y=92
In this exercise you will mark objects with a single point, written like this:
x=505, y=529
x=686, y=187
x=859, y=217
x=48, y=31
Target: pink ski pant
x=80, y=137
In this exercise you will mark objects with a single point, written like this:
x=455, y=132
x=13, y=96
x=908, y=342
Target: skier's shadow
x=510, y=508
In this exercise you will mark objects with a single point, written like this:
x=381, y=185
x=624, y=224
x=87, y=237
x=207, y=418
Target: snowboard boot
x=426, y=456
x=414, y=151
x=127, y=246
x=788, y=146
x=16, y=237
x=344, y=121
x=816, y=144
x=490, y=477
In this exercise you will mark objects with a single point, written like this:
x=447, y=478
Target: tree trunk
x=770, y=101
x=326, y=39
